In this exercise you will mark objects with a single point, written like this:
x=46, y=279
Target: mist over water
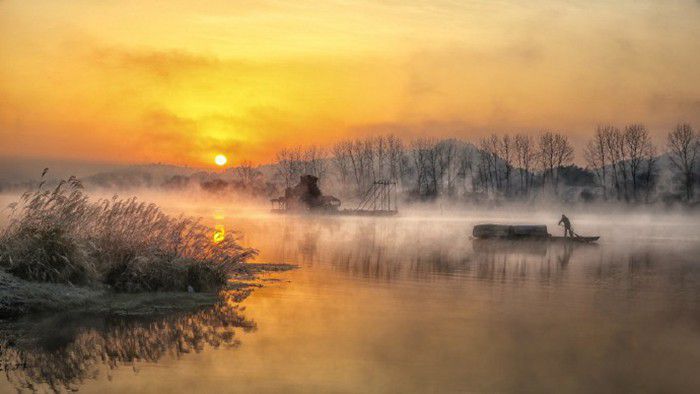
x=413, y=304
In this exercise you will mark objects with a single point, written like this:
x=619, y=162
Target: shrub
x=63, y=236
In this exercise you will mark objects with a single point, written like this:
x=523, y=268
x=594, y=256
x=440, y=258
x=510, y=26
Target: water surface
x=412, y=304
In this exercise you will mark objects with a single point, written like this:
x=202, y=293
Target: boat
x=537, y=232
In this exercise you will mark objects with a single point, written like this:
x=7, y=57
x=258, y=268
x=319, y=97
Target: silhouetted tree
x=341, y=160
x=314, y=162
x=682, y=149
x=596, y=158
x=506, y=154
x=614, y=145
x=289, y=165
x=638, y=145
x=525, y=156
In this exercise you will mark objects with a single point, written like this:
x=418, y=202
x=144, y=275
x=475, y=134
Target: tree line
x=621, y=164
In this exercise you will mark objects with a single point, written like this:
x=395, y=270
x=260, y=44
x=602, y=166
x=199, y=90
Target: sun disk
x=220, y=160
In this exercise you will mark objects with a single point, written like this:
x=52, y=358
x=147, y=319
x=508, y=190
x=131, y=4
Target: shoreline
x=19, y=298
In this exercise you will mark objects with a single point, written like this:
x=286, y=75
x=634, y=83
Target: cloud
x=161, y=64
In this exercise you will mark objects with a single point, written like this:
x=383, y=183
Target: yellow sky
x=178, y=81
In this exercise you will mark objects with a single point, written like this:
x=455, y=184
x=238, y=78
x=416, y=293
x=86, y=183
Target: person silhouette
x=568, y=230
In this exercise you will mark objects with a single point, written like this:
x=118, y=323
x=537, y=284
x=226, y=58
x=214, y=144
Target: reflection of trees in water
x=645, y=266
x=387, y=249
x=61, y=352
x=388, y=256
x=517, y=261
x=295, y=239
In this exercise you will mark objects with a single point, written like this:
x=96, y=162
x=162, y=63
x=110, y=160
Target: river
x=412, y=304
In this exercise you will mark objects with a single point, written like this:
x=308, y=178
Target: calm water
x=408, y=304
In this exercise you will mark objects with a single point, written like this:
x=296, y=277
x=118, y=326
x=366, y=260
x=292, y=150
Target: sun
x=220, y=160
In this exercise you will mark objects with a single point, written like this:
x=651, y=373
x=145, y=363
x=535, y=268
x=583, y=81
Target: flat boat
x=535, y=232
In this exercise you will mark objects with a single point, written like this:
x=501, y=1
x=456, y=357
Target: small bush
x=63, y=236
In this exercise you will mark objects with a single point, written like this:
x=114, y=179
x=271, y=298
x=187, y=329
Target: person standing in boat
x=568, y=230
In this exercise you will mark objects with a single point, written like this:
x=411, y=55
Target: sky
x=181, y=81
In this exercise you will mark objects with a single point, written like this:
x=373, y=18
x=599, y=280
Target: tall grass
x=61, y=235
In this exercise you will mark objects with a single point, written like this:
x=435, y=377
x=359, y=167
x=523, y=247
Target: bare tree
x=622, y=162
x=418, y=153
x=596, y=158
x=357, y=164
x=314, y=161
x=483, y=169
x=683, y=147
x=289, y=165
x=395, y=154
x=447, y=164
x=613, y=141
x=425, y=155
x=489, y=159
x=432, y=162
x=367, y=160
x=563, y=155
x=638, y=144
x=506, y=154
x=248, y=173
x=465, y=165
x=379, y=153
x=649, y=176
x=545, y=156
x=341, y=160
x=525, y=155
x=555, y=151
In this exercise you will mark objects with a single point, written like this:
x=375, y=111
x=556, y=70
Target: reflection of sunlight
x=219, y=233
x=219, y=215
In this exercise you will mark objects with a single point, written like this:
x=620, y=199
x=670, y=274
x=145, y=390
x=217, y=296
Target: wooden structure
x=306, y=197
x=379, y=200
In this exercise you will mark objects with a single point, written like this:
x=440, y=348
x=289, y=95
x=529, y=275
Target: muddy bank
x=19, y=297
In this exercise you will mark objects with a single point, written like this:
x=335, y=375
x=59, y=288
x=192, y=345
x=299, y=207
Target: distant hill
x=25, y=172
x=142, y=175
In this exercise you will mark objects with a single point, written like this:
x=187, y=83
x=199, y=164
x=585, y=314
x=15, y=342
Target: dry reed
x=62, y=236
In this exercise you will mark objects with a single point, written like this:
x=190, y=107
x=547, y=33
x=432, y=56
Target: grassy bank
x=19, y=297
x=60, y=249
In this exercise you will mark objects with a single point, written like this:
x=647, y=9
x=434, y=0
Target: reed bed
x=63, y=236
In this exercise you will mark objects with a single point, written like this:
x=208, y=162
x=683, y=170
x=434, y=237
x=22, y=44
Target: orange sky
x=177, y=81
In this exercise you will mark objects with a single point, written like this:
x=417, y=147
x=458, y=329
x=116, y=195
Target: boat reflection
x=60, y=352
x=518, y=260
x=562, y=252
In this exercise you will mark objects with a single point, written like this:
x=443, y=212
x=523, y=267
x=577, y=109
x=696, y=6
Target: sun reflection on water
x=219, y=233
